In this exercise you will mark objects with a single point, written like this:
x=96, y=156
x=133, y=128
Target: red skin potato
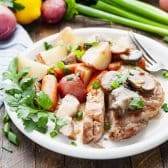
x=53, y=11
x=7, y=23
x=74, y=87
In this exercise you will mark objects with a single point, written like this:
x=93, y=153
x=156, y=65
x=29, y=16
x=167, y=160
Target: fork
x=152, y=65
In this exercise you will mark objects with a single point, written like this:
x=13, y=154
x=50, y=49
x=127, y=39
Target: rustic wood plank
x=22, y=156
x=150, y=159
x=48, y=159
x=116, y=163
x=164, y=154
x=78, y=163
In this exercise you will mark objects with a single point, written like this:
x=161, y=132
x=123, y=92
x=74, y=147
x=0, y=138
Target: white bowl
x=152, y=136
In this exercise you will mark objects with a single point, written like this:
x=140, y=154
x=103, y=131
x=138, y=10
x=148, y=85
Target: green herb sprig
x=31, y=107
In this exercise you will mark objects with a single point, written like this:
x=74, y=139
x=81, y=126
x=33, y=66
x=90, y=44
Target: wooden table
x=31, y=155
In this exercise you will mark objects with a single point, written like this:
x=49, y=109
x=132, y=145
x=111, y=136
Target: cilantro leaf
x=13, y=89
x=23, y=72
x=11, y=73
x=29, y=125
x=43, y=119
x=137, y=102
x=27, y=82
x=43, y=100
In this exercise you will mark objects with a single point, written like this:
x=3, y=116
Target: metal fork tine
x=147, y=54
x=138, y=47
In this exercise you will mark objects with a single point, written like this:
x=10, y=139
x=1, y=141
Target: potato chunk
x=98, y=57
x=54, y=55
x=37, y=70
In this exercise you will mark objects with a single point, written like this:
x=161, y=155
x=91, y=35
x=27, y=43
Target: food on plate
x=94, y=116
x=98, y=56
x=7, y=22
x=52, y=56
x=72, y=84
x=49, y=86
x=86, y=93
x=53, y=10
x=36, y=69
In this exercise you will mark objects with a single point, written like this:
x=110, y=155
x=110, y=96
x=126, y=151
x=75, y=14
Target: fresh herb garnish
x=79, y=115
x=119, y=81
x=137, y=102
x=47, y=46
x=106, y=125
x=96, y=84
x=165, y=74
x=6, y=149
x=79, y=53
x=69, y=48
x=31, y=106
x=90, y=44
x=61, y=66
x=165, y=107
x=73, y=143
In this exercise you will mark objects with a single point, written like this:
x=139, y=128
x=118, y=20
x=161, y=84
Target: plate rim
x=68, y=149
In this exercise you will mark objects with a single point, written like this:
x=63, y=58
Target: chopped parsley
x=79, y=53
x=90, y=44
x=79, y=115
x=96, y=84
x=165, y=107
x=31, y=107
x=137, y=102
x=62, y=67
x=47, y=46
x=53, y=134
x=73, y=143
x=120, y=80
x=165, y=74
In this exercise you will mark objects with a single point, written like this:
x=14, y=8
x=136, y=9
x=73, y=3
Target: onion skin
x=53, y=11
x=164, y=4
x=7, y=23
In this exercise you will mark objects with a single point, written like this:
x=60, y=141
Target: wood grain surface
x=31, y=155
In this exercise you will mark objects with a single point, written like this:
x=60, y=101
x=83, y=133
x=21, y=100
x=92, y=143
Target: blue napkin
x=11, y=48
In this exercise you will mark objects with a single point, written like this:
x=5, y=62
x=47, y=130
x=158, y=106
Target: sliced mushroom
x=141, y=81
x=121, y=98
x=120, y=46
x=132, y=57
x=107, y=79
x=69, y=59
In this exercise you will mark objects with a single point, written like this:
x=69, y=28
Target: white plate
x=155, y=133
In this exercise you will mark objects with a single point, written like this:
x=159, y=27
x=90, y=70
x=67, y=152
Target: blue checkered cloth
x=11, y=48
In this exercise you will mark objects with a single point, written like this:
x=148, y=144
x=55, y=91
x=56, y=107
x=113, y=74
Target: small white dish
x=152, y=136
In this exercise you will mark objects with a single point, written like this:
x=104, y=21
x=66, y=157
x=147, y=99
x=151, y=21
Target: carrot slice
x=115, y=66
